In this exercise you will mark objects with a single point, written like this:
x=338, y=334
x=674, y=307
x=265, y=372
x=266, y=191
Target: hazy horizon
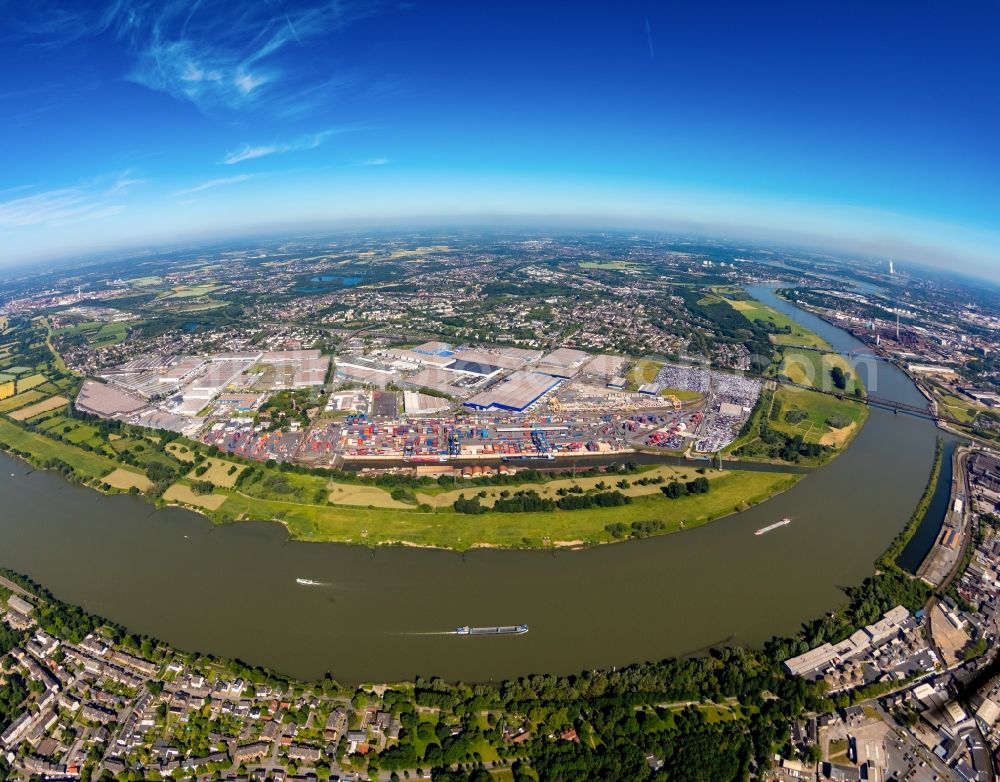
x=530, y=227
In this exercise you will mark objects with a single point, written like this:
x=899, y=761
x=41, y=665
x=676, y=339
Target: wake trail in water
x=437, y=632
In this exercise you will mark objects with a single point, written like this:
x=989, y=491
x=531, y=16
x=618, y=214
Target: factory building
x=517, y=393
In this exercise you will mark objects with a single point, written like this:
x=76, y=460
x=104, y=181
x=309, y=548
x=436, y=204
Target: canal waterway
x=384, y=615
x=923, y=539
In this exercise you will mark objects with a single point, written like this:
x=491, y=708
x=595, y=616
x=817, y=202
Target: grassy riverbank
x=785, y=331
x=443, y=528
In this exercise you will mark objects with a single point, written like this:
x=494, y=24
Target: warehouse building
x=368, y=373
x=415, y=358
x=442, y=380
x=605, y=366
x=522, y=355
x=566, y=358
x=473, y=367
x=106, y=401
x=517, y=393
x=491, y=358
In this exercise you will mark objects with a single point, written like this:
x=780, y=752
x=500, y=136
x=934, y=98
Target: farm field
x=180, y=492
x=201, y=306
x=363, y=496
x=27, y=383
x=20, y=400
x=125, y=479
x=38, y=408
x=181, y=452
x=218, y=472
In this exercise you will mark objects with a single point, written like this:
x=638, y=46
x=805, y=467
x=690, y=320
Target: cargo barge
x=769, y=527
x=501, y=630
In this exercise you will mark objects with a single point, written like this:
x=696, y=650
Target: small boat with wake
x=309, y=582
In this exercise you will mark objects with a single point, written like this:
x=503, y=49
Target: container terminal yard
x=462, y=405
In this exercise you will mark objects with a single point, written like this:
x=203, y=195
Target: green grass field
x=109, y=334
x=953, y=406
x=812, y=368
x=87, y=464
x=761, y=313
x=818, y=408
x=74, y=431
x=84, y=433
x=431, y=718
x=97, y=333
x=683, y=395
x=447, y=529
x=29, y=382
x=644, y=371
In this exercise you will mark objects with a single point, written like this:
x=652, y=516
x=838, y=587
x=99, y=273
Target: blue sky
x=868, y=126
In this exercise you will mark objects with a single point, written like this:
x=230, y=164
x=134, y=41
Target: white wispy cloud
x=246, y=152
x=228, y=180
x=250, y=152
x=212, y=53
x=375, y=161
x=92, y=200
